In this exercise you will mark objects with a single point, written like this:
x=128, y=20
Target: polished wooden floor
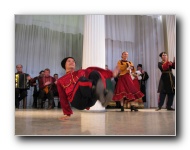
x=111, y=122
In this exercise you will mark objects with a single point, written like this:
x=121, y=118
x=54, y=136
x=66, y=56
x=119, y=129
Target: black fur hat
x=63, y=62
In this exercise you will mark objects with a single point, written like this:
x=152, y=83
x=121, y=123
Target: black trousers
x=49, y=96
x=85, y=96
x=19, y=95
x=162, y=99
x=35, y=97
x=143, y=90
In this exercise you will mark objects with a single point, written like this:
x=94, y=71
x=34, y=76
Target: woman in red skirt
x=125, y=89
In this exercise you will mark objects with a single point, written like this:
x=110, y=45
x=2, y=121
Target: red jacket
x=166, y=66
x=44, y=79
x=66, y=84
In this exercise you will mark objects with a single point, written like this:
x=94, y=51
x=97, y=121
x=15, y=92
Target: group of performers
x=44, y=87
x=82, y=88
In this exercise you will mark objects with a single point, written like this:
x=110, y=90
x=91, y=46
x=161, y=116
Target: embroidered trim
x=65, y=86
x=74, y=79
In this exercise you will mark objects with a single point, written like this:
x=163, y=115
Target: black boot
x=122, y=108
x=118, y=104
x=171, y=109
x=53, y=105
x=42, y=104
x=133, y=108
x=50, y=107
x=17, y=103
x=157, y=109
x=34, y=105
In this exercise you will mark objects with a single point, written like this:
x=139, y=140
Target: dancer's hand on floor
x=65, y=117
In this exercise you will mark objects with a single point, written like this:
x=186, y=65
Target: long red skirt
x=125, y=88
x=136, y=83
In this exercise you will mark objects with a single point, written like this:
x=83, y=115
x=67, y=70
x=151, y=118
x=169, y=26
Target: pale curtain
x=43, y=41
x=62, y=23
x=149, y=44
x=120, y=36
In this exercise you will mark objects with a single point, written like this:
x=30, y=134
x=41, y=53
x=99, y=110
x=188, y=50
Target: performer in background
x=136, y=75
x=167, y=82
x=46, y=88
x=125, y=89
x=81, y=89
x=55, y=91
x=35, y=82
x=142, y=80
x=54, y=86
x=21, y=92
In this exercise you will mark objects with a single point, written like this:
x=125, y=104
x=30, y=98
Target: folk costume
x=37, y=82
x=125, y=87
x=166, y=84
x=142, y=81
x=46, y=91
x=78, y=89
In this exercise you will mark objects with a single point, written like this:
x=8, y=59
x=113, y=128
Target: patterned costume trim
x=65, y=86
x=128, y=96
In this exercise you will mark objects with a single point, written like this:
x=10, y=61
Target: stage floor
x=111, y=122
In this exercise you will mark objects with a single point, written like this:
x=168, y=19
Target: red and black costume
x=35, y=82
x=166, y=84
x=78, y=88
x=46, y=90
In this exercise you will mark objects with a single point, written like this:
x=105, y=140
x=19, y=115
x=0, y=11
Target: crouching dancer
x=81, y=89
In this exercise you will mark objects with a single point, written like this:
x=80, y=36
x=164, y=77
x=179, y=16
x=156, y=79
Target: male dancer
x=167, y=82
x=81, y=89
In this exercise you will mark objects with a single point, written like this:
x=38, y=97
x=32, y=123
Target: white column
x=94, y=45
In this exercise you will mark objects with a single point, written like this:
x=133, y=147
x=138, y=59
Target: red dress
x=136, y=83
x=125, y=87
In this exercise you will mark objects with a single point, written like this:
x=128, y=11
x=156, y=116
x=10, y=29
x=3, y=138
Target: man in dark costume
x=36, y=84
x=144, y=77
x=21, y=92
x=167, y=82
